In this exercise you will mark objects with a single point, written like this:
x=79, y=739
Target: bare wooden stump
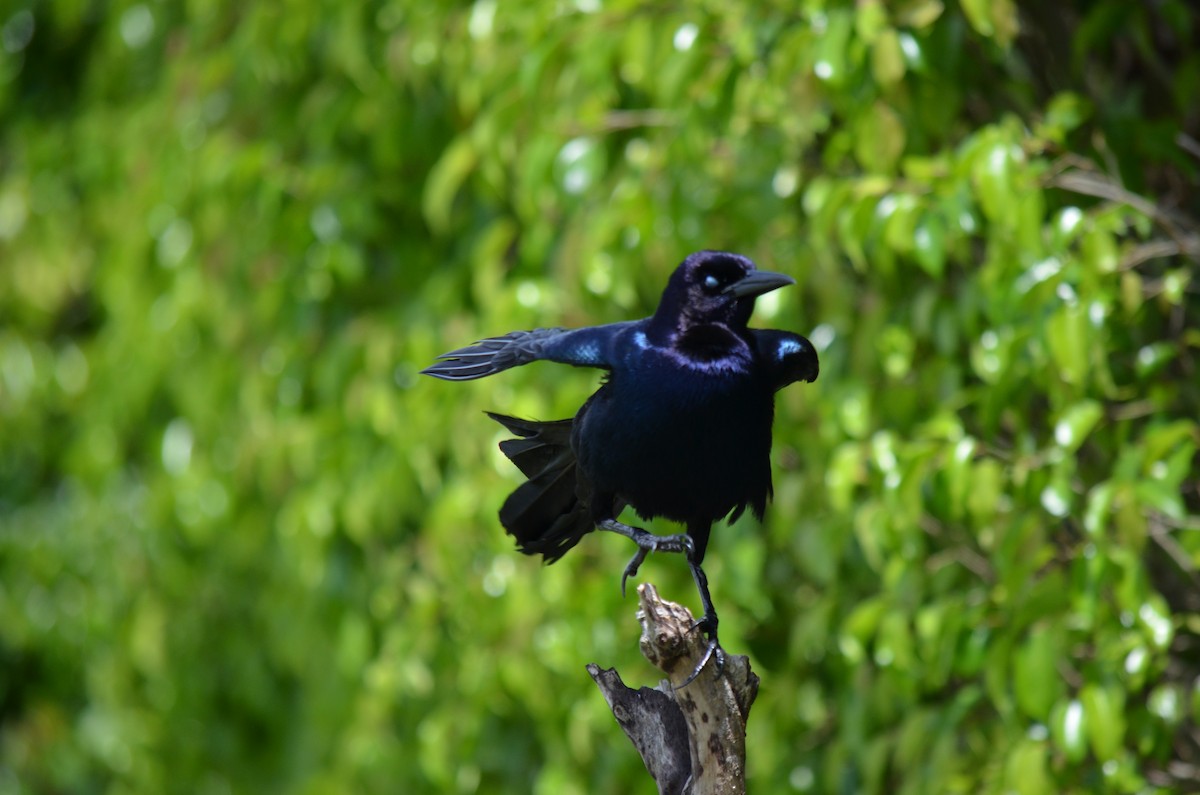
x=692, y=740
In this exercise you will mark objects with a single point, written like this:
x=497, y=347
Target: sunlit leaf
x=1076, y=423
x=1069, y=727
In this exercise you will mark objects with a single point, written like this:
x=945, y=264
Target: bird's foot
x=713, y=651
x=707, y=624
x=647, y=542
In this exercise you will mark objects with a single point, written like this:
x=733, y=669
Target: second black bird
x=681, y=427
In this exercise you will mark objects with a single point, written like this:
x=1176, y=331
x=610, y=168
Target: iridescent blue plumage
x=681, y=427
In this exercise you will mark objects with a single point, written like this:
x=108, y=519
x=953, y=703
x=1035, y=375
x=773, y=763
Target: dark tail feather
x=544, y=514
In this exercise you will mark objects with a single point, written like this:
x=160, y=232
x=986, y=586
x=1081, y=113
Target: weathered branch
x=692, y=740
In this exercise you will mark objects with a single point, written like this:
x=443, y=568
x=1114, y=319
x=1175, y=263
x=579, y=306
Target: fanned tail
x=545, y=514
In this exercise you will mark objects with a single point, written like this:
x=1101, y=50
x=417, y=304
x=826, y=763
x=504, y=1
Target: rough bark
x=691, y=739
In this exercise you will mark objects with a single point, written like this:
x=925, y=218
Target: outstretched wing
x=787, y=357
x=584, y=347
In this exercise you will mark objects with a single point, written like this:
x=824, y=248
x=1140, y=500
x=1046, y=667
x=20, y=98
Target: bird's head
x=715, y=287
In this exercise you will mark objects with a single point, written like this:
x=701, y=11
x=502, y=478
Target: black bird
x=680, y=428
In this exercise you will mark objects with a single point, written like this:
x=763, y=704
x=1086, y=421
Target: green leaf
x=929, y=244
x=887, y=58
x=987, y=488
x=444, y=181
x=1036, y=680
x=1099, y=250
x=1068, y=335
x=900, y=213
x=879, y=138
x=1076, y=423
x=845, y=472
x=1056, y=497
x=1069, y=729
x=832, y=47
x=870, y=20
x=1165, y=702
x=1099, y=506
x=995, y=19
x=1104, y=707
x=579, y=165
x=1151, y=359
x=991, y=355
x=919, y=14
x=1155, y=617
x=894, y=644
x=1162, y=497
x=1174, y=284
x=1064, y=113
x=1026, y=770
x=1169, y=459
x=896, y=347
x=860, y=626
x=991, y=173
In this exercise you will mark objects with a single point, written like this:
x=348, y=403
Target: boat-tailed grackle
x=680, y=428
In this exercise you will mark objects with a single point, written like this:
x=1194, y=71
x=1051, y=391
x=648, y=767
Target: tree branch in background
x=1081, y=177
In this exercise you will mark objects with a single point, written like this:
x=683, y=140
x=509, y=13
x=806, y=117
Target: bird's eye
x=711, y=282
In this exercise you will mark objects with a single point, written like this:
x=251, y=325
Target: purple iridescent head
x=715, y=287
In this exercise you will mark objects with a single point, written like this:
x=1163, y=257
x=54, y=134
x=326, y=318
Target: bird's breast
x=690, y=443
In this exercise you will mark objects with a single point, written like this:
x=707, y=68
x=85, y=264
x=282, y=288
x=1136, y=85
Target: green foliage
x=243, y=548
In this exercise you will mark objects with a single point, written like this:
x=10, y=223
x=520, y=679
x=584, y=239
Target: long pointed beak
x=758, y=282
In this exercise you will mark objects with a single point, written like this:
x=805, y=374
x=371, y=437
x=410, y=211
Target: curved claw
x=713, y=649
x=632, y=568
x=708, y=625
x=720, y=655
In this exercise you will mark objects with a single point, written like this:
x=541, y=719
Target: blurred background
x=244, y=548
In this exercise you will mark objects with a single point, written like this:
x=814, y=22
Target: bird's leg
x=680, y=542
x=649, y=542
x=706, y=623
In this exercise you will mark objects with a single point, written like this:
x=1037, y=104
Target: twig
x=1088, y=182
